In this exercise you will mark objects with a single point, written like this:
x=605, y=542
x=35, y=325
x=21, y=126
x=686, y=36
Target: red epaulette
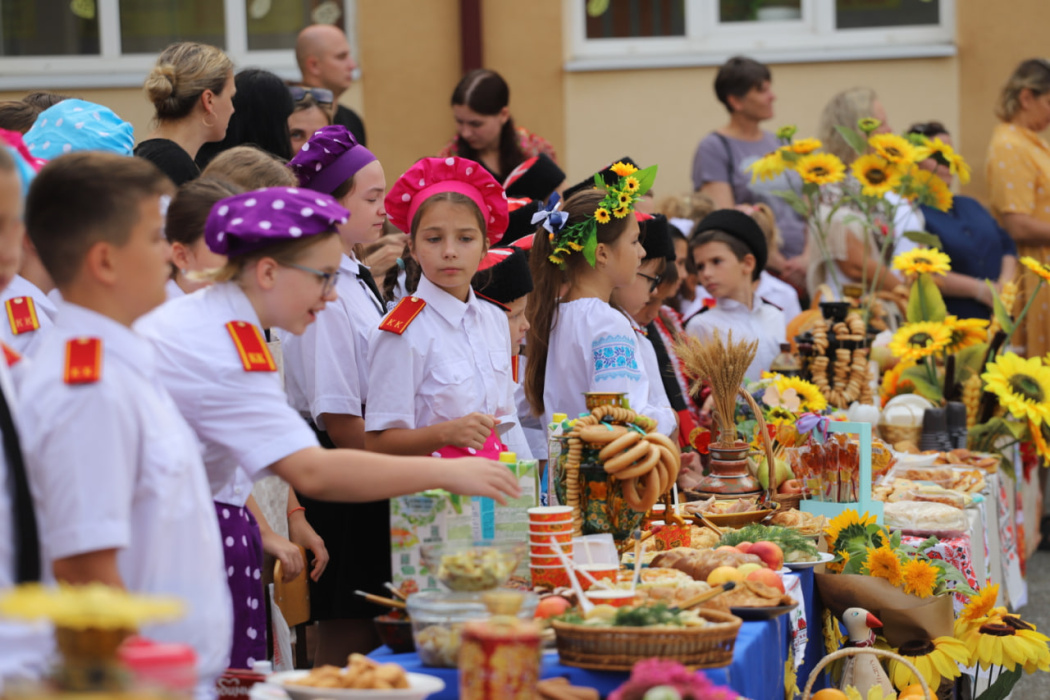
x=514, y=371
x=11, y=356
x=83, y=361
x=21, y=314
x=398, y=320
x=251, y=346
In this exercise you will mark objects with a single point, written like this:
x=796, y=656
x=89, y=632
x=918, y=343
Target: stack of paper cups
x=544, y=564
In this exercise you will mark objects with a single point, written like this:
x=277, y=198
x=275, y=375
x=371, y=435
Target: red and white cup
x=541, y=514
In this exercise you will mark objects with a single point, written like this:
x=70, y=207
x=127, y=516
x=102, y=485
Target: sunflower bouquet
x=886, y=163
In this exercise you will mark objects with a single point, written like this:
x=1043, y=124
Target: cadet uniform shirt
x=241, y=417
x=112, y=465
x=326, y=368
x=28, y=312
x=592, y=348
x=764, y=323
x=452, y=360
x=24, y=648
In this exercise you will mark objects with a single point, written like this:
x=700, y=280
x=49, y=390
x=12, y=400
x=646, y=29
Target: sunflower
x=601, y=215
x=575, y=246
x=914, y=341
x=786, y=133
x=966, y=332
x=808, y=393
x=920, y=578
x=891, y=380
x=804, y=147
x=623, y=169
x=979, y=606
x=631, y=184
x=876, y=174
x=895, y=149
x=868, y=124
x=1040, y=440
x=1022, y=385
x=1007, y=640
x=624, y=199
x=920, y=260
x=768, y=166
x=884, y=563
x=820, y=168
x=620, y=212
x=845, y=522
x=1041, y=269
x=935, y=661
x=956, y=164
x=833, y=637
x=929, y=189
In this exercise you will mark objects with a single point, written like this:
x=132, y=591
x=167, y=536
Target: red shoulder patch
x=83, y=361
x=21, y=314
x=11, y=356
x=251, y=346
x=398, y=320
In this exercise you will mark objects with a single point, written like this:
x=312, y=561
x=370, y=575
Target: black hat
x=503, y=276
x=656, y=238
x=536, y=178
x=520, y=224
x=738, y=225
x=607, y=174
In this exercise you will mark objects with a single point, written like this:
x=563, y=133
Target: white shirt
x=764, y=323
x=173, y=290
x=592, y=348
x=779, y=293
x=24, y=648
x=534, y=430
x=907, y=217
x=452, y=360
x=26, y=342
x=659, y=406
x=241, y=418
x=689, y=308
x=113, y=465
x=326, y=368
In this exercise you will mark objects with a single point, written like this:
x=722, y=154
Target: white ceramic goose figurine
x=863, y=671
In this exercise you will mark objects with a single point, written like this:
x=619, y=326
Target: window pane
x=638, y=18
x=48, y=28
x=861, y=14
x=148, y=26
x=275, y=25
x=757, y=10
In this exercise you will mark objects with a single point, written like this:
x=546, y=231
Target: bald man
x=324, y=59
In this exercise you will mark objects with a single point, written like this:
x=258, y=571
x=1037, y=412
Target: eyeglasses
x=322, y=95
x=328, y=279
x=654, y=282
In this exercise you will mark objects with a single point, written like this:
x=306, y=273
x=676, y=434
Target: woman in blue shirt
x=979, y=248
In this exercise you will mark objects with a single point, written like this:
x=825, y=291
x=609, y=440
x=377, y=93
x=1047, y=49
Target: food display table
x=757, y=670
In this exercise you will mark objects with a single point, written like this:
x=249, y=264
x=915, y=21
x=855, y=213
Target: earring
x=206, y=124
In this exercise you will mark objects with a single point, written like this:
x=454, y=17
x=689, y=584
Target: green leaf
x=796, y=202
x=790, y=156
x=917, y=375
x=1001, y=314
x=925, y=238
x=590, y=246
x=969, y=361
x=925, y=302
x=855, y=140
x=646, y=177
x=599, y=182
x=1003, y=685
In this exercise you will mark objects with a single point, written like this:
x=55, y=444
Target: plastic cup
x=550, y=513
x=616, y=598
x=600, y=572
x=552, y=526
x=549, y=576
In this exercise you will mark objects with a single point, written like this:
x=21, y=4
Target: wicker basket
x=620, y=648
x=894, y=434
x=856, y=651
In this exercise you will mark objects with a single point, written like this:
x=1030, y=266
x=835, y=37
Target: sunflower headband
x=618, y=202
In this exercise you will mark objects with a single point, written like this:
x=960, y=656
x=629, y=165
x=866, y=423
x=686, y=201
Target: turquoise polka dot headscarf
x=75, y=125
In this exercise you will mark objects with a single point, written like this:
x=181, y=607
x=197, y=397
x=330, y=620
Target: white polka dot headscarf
x=431, y=176
x=76, y=125
x=250, y=221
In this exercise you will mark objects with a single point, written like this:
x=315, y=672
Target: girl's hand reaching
x=470, y=431
x=475, y=476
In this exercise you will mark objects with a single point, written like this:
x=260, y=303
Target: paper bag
x=905, y=617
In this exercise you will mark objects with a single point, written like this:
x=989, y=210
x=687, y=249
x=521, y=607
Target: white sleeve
x=328, y=362
x=395, y=373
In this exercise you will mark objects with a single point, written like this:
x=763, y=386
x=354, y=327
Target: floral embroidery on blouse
x=614, y=357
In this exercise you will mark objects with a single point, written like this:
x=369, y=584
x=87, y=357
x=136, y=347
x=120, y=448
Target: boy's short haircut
x=737, y=76
x=84, y=198
x=736, y=246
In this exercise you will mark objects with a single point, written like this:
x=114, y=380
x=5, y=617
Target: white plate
x=421, y=686
x=825, y=557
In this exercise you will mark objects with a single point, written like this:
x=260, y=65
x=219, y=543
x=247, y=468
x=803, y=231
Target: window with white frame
x=113, y=43
x=618, y=34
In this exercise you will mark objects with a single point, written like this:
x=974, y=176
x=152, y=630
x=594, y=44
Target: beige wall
x=988, y=53
x=659, y=116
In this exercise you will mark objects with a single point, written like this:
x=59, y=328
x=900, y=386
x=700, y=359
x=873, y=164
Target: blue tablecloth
x=757, y=670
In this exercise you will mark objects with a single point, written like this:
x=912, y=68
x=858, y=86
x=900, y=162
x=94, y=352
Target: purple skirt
x=242, y=548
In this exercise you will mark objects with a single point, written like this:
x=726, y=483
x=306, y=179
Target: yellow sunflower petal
x=820, y=168
x=923, y=260
x=1037, y=267
x=894, y=148
x=1022, y=386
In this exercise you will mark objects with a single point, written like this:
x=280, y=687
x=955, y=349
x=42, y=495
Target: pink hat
x=430, y=176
